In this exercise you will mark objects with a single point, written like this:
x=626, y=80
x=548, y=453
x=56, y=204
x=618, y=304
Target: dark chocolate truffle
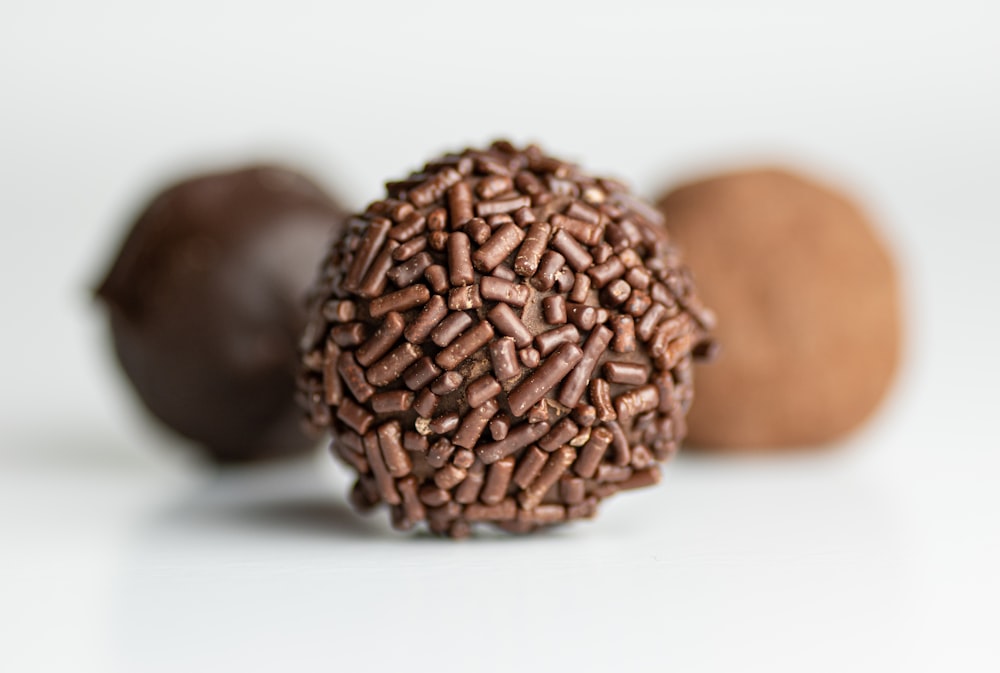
x=808, y=306
x=503, y=339
x=207, y=302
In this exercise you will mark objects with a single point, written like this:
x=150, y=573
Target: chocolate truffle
x=207, y=301
x=808, y=306
x=502, y=339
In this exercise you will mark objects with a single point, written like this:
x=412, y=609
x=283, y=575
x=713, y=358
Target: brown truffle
x=808, y=306
x=207, y=301
x=503, y=339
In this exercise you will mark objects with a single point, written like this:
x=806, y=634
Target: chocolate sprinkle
x=504, y=339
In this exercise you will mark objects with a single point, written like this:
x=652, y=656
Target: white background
x=118, y=552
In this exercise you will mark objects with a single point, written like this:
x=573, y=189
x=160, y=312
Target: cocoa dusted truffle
x=502, y=339
x=808, y=306
x=207, y=302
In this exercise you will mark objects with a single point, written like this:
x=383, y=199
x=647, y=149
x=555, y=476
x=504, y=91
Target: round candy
x=207, y=301
x=808, y=306
x=502, y=339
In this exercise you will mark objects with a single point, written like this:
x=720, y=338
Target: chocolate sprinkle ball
x=808, y=305
x=207, y=301
x=503, y=339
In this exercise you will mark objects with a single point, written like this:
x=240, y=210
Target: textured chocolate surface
x=808, y=305
x=517, y=346
x=207, y=300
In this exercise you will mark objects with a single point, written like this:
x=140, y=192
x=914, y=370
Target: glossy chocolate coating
x=206, y=303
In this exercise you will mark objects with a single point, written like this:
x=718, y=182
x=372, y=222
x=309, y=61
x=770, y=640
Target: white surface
x=117, y=553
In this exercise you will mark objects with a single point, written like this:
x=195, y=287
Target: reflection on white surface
x=722, y=564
